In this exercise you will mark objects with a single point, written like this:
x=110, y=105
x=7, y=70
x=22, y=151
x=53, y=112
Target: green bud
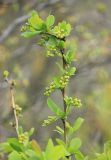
x=13, y=83
x=5, y=74
x=17, y=108
x=22, y=138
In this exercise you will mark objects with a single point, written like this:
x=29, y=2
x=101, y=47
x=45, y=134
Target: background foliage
x=26, y=61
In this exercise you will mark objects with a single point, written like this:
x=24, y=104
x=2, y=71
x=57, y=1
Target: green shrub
x=53, y=38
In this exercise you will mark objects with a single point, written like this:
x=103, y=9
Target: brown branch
x=63, y=95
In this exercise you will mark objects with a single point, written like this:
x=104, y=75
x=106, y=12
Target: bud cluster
x=51, y=50
x=13, y=82
x=50, y=89
x=22, y=138
x=50, y=120
x=25, y=27
x=18, y=109
x=5, y=74
x=73, y=102
x=64, y=80
x=59, y=32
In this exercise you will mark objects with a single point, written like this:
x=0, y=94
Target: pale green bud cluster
x=24, y=28
x=49, y=89
x=18, y=109
x=64, y=80
x=73, y=102
x=13, y=82
x=50, y=54
x=52, y=50
x=22, y=138
x=60, y=33
x=50, y=120
x=5, y=74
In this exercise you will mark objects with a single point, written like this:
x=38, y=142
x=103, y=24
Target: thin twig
x=13, y=105
x=14, y=110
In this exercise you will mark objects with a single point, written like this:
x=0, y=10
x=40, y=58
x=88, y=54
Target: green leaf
x=59, y=130
x=61, y=44
x=78, y=124
x=35, y=21
x=56, y=152
x=70, y=56
x=55, y=108
x=109, y=154
x=62, y=25
x=36, y=147
x=49, y=150
x=79, y=156
x=32, y=155
x=102, y=156
x=59, y=152
x=72, y=71
x=6, y=147
x=20, y=130
x=74, y=145
x=50, y=21
x=15, y=144
x=31, y=131
x=60, y=142
x=68, y=27
x=30, y=34
x=14, y=156
x=107, y=146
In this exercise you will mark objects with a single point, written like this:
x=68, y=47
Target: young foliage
x=53, y=38
x=55, y=108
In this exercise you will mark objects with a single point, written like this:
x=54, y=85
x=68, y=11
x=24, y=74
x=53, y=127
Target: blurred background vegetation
x=26, y=61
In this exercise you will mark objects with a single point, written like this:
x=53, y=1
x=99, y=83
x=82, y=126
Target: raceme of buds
x=25, y=27
x=22, y=138
x=60, y=33
x=49, y=89
x=52, y=49
x=64, y=80
x=73, y=102
x=18, y=109
x=50, y=120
